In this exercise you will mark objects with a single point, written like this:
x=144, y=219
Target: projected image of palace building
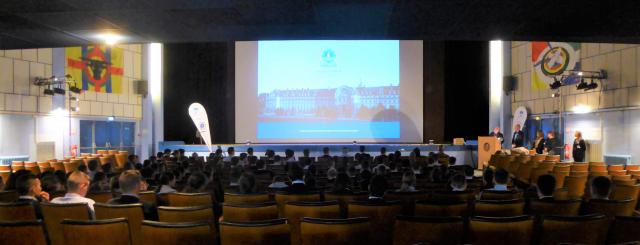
x=360, y=103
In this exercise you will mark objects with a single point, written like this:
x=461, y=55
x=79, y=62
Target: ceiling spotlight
x=556, y=84
x=59, y=90
x=582, y=84
x=111, y=118
x=48, y=91
x=110, y=38
x=579, y=73
x=591, y=86
x=538, y=118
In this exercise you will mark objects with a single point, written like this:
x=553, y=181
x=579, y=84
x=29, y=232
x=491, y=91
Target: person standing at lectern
x=579, y=147
x=518, y=137
x=496, y=132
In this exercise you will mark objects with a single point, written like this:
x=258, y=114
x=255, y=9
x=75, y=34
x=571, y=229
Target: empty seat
x=500, y=195
x=133, y=212
x=624, y=192
x=382, y=217
x=295, y=211
x=185, y=214
x=408, y=199
x=246, y=198
x=335, y=231
x=624, y=230
x=589, y=229
x=575, y=186
x=442, y=208
x=499, y=208
x=9, y=196
x=632, y=167
x=108, y=231
x=22, y=232
x=53, y=214
x=579, y=167
x=150, y=197
x=501, y=230
x=17, y=211
x=611, y=208
x=616, y=167
x=249, y=211
x=556, y=207
x=189, y=199
x=344, y=199
x=282, y=198
x=597, y=168
x=162, y=233
x=100, y=197
x=429, y=230
x=267, y=232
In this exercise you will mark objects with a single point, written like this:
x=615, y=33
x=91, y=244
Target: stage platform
x=464, y=154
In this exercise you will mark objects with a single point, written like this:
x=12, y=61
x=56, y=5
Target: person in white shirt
x=167, y=181
x=77, y=188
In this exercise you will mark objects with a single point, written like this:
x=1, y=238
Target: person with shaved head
x=77, y=187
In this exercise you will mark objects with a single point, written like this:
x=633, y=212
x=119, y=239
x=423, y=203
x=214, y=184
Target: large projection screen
x=322, y=91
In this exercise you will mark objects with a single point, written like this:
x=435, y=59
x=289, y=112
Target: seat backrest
x=282, y=198
x=267, y=232
x=616, y=167
x=575, y=186
x=22, y=232
x=411, y=230
x=162, y=233
x=344, y=199
x=500, y=195
x=295, y=211
x=382, y=217
x=624, y=230
x=589, y=229
x=442, y=208
x=335, y=231
x=611, y=208
x=82, y=232
x=624, y=192
x=17, y=211
x=501, y=230
x=408, y=199
x=246, y=198
x=100, y=197
x=579, y=167
x=9, y=196
x=133, y=212
x=557, y=207
x=57, y=166
x=53, y=214
x=598, y=168
x=499, y=208
x=185, y=214
x=148, y=197
x=244, y=212
x=467, y=196
x=189, y=199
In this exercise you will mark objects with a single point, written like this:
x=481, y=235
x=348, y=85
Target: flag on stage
x=98, y=67
x=550, y=59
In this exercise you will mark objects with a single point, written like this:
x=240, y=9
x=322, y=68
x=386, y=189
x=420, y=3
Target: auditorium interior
x=319, y=122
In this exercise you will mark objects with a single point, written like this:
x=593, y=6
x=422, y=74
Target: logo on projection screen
x=328, y=57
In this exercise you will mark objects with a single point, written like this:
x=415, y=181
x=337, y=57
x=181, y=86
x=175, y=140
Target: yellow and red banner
x=552, y=59
x=97, y=67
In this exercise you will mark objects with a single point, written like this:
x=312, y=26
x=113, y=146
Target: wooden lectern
x=487, y=146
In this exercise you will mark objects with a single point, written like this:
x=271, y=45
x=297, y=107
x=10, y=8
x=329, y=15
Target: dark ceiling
x=51, y=23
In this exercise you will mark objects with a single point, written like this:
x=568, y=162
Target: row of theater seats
x=73, y=229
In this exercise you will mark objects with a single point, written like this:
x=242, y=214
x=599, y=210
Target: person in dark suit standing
x=518, y=137
x=496, y=132
x=539, y=143
x=130, y=182
x=551, y=143
x=579, y=147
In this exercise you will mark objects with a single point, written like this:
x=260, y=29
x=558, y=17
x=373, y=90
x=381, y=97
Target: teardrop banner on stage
x=199, y=116
x=520, y=116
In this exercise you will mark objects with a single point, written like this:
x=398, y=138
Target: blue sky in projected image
x=327, y=64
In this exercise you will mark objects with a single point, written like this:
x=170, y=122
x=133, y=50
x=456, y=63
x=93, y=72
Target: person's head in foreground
x=129, y=182
x=600, y=188
x=78, y=183
x=546, y=186
x=458, y=183
x=501, y=177
x=377, y=186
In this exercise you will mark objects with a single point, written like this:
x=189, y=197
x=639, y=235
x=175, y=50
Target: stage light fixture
x=556, y=83
x=591, y=86
x=554, y=95
x=75, y=89
x=582, y=84
x=111, y=118
x=59, y=91
x=538, y=118
x=48, y=91
x=73, y=98
x=75, y=108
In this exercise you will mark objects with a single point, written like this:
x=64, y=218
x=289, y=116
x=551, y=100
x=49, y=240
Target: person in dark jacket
x=496, y=132
x=579, y=148
x=518, y=137
x=551, y=143
x=538, y=144
x=298, y=186
x=130, y=182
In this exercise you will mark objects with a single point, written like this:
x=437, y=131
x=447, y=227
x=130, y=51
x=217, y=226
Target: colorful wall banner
x=96, y=67
x=551, y=59
x=199, y=116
